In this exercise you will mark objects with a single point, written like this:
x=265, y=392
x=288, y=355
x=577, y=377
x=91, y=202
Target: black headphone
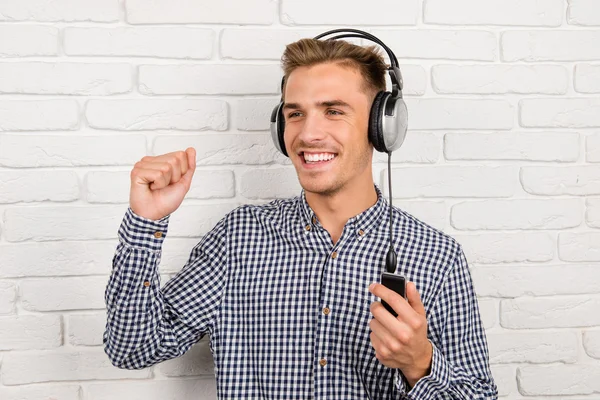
x=388, y=118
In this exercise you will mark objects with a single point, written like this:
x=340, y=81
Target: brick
x=494, y=248
x=526, y=146
x=175, y=114
x=8, y=297
x=63, y=365
x=28, y=186
x=263, y=44
x=433, y=213
x=154, y=390
x=60, y=11
x=259, y=44
x=548, y=280
x=219, y=149
x=61, y=258
x=500, y=79
x=69, y=293
x=210, y=79
x=505, y=377
x=71, y=222
x=336, y=12
x=41, y=392
x=418, y=148
x=163, y=42
x=583, y=12
x=197, y=220
x=587, y=78
x=553, y=181
x=86, y=329
x=65, y=78
x=38, y=115
x=259, y=12
x=508, y=214
x=444, y=114
x=488, y=312
x=579, y=246
x=560, y=113
x=532, y=347
x=25, y=332
x=440, y=44
x=197, y=361
x=550, y=312
x=553, y=380
x=592, y=147
x=591, y=343
x=494, y=12
x=269, y=183
x=592, y=215
x=550, y=45
x=254, y=114
x=28, y=40
x=452, y=181
x=71, y=150
x=114, y=186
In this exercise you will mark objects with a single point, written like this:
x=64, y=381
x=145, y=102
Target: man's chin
x=319, y=186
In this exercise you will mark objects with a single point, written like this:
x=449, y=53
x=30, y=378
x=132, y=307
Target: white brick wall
x=503, y=153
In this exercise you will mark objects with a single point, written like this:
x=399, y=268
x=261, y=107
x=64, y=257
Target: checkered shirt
x=288, y=311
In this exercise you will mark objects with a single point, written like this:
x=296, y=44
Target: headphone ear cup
x=375, y=121
x=278, y=128
x=395, y=123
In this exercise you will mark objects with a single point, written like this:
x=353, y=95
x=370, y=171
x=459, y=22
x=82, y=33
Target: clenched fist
x=159, y=183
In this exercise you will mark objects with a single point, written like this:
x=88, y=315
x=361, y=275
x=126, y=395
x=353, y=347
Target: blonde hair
x=308, y=52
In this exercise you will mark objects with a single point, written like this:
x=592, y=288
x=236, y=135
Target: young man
x=285, y=290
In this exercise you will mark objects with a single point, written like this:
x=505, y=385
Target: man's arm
x=147, y=325
x=460, y=363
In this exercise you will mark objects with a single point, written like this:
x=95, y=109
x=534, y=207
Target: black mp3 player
x=397, y=283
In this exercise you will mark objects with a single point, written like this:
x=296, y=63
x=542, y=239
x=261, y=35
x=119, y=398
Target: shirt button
x=158, y=235
x=314, y=219
x=361, y=232
x=326, y=311
x=334, y=254
x=146, y=283
x=307, y=227
x=322, y=362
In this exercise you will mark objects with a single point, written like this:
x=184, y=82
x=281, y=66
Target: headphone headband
x=394, y=68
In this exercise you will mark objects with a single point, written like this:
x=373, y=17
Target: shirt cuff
x=140, y=232
x=438, y=380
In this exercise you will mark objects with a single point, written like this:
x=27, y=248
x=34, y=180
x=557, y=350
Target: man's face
x=326, y=115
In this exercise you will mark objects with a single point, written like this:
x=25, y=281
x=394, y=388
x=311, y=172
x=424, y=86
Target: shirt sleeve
x=146, y=324
x=460, y=365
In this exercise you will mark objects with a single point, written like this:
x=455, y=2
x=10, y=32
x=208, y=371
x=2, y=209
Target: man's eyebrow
x=290, y=105
x=326, y=103
x=334, y=103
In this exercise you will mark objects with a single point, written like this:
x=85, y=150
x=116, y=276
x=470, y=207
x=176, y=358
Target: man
x=287, y=290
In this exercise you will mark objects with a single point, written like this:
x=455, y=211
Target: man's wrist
x=420, y=369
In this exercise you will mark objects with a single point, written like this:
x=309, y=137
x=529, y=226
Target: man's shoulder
x=277, y=211
x=424, y=236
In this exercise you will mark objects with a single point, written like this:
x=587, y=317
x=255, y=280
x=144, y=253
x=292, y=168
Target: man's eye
x=293, y=114
x=334, y=112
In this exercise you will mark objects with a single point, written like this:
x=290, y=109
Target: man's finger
x=414, y=299
x=395, y=301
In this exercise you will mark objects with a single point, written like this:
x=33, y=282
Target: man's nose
x=312, y=128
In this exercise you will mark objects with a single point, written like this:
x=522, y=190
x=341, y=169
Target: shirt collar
x=362, y=223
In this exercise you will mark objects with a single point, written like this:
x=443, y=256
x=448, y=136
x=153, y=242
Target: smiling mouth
x=317, y=158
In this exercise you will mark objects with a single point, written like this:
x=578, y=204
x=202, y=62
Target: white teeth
x=318, y=157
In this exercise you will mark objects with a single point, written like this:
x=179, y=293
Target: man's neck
x=335, y=210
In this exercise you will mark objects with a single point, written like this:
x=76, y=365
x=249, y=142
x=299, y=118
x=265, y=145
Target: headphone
x=388, y=117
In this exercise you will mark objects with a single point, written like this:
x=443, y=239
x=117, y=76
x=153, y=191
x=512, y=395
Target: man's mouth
x=317, y=158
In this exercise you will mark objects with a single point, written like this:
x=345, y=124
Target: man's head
x=329, y=87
